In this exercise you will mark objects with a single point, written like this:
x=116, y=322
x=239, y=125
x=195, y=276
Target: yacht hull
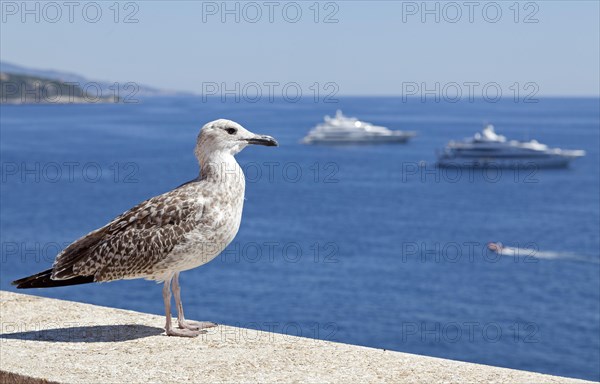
x=506, y=163
x=359, y=140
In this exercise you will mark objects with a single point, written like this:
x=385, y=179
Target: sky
x=551, y=48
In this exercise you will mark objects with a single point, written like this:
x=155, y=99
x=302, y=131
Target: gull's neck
x=220, y=167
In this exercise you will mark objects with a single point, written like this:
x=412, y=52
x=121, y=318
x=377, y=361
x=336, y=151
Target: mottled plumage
x=173, y=232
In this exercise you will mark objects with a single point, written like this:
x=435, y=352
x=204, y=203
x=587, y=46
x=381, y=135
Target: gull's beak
x=263, y=140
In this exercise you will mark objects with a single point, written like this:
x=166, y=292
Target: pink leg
x=170, y=331
x=182, y=322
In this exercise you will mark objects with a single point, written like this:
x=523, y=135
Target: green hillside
x=24, y=89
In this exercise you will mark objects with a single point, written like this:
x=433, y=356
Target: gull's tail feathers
x=44, y=280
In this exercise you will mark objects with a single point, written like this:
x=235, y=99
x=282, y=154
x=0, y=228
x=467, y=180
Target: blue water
x=400, y=263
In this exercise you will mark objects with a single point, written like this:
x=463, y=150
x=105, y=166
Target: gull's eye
x=231, y=131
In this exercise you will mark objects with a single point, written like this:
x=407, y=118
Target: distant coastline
x=23, y=89
x=24, y=85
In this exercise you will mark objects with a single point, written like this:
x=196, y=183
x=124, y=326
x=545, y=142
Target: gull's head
x=228, y=137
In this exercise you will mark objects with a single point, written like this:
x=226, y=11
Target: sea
x=362, y=244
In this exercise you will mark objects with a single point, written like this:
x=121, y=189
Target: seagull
x=169, y=233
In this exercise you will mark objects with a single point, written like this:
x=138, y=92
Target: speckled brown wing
x=131, y=244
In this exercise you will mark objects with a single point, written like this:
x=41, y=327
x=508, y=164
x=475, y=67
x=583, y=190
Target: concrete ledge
x=67, y=342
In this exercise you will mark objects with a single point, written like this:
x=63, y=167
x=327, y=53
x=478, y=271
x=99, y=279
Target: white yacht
x=342, y=129
x=490, y=150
